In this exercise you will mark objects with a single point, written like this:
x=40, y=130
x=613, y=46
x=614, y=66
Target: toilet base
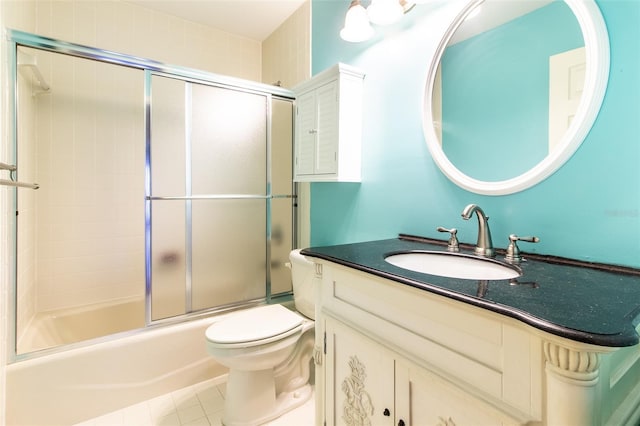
x=251, y=398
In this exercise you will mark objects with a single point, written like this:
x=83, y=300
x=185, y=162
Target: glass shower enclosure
x=209, y=163
x=164, y=193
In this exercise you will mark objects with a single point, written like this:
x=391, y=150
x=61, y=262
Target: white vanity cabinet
x=371, y=382
x=398, y=355
x=329, y=126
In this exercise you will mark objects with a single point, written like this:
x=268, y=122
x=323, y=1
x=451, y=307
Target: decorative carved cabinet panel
x=361, y=388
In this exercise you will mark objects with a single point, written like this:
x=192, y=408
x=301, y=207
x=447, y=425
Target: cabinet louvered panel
x=327, y=136
x=306, y=137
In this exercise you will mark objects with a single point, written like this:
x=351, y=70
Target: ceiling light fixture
x=357, y=23
x=384, y=12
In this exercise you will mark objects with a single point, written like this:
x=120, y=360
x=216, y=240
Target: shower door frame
x=15, y=39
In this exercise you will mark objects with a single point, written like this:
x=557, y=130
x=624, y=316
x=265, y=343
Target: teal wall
x=588, y=210
x=510, y=79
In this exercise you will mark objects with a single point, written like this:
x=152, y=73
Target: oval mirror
x=513, y=91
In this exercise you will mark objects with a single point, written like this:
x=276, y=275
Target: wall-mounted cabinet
x=329, y=126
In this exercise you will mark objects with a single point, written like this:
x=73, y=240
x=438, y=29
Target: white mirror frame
x=596, y=42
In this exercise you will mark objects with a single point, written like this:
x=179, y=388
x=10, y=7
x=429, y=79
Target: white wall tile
x=285, y=53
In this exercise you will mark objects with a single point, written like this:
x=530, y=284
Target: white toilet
x=268, y=351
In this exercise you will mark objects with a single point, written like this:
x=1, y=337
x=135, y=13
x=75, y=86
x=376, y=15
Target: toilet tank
x=303, y=278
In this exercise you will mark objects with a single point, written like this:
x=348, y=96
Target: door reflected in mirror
x=495, y=91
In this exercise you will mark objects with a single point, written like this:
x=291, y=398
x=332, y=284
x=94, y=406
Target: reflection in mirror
x=502, y=97
x=496, y=89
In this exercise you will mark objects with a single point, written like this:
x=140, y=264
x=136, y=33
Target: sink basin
x=453, y=265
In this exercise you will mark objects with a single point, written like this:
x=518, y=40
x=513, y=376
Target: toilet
x=268, y=351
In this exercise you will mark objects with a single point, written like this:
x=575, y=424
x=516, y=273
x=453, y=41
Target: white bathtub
x=62, y=327
x=78, y=384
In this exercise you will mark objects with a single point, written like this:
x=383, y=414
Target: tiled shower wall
x=90, y=157
x=26, y=242
x=130, y=29
x=286, y=57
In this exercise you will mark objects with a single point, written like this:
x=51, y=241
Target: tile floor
x=197, y=405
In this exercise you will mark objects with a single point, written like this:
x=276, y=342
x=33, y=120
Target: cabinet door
x=327, y=137
x=425, y=399
x=306, y=134
x=359, y=379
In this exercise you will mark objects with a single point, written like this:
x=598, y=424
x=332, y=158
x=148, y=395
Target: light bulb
x=356, y=24
x=385, y=12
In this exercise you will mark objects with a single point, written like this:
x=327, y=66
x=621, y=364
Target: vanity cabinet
x=392, y=354
x=371, y=382
x=329, y=126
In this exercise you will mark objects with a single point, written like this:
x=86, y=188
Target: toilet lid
x=254, y=324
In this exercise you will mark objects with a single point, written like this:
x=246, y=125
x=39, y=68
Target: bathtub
x=62, y=327
x=80, y=383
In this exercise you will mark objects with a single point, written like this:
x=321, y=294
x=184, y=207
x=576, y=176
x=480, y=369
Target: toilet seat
x=253, y=327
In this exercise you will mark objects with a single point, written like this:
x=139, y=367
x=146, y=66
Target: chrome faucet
x=484, y=246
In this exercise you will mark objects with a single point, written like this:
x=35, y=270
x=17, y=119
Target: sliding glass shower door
x=210, y=195
x=164, y=192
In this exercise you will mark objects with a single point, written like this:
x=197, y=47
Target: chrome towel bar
x=19, y=184
x=12, y=168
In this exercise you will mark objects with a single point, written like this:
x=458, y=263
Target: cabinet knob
x=386, y=412
x=401, y=422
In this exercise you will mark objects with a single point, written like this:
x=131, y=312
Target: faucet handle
x=513, y=251
x=453, y=239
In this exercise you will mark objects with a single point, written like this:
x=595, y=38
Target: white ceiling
x=257, y=19
x=254, y=19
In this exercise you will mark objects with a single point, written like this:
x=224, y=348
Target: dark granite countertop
x=596, y=304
